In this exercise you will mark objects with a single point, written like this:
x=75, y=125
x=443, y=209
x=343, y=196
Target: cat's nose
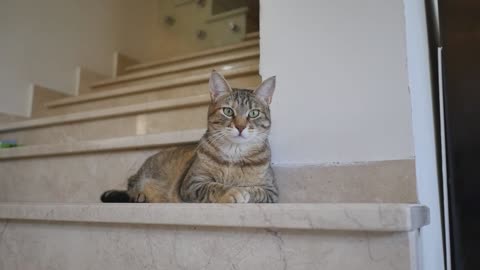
x=240, y=129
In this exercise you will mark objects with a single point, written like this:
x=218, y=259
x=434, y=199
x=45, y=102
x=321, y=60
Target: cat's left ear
x=218, y=85
x=266, y=89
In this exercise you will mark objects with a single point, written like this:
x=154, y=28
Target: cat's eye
x=228, y=111
x=253, y=113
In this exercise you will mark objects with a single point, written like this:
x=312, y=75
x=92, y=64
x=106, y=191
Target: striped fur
x=230, y=164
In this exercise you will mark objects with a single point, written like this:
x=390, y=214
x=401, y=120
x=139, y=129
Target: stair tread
x=252, y=35
x=165, y=104
x=8, y=118
x=321, y=216
x=102, y=145
x=129, y=90
x=176, y=68
x=227, y=14
x=170, y=60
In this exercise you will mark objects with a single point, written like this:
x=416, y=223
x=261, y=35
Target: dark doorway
x=460, y=32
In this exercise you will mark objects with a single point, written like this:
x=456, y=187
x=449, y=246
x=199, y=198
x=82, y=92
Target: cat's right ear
x=218, y=85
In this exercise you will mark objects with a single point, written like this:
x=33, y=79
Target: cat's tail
x=115, y=196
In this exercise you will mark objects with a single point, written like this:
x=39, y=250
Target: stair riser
x=195, y=56
x=60, y=245
x=118, y=126
x=41, y=96
x=171, y=72
x=174, y=92
x=7, y=118
x=252, y=36
x=82, y=178
x=121, y=62
x=85, y=79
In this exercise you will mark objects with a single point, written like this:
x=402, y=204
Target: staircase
x=75, y=147
x=209, y=23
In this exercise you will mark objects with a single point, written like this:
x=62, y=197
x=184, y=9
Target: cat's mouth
x=235, y=136
x=239, y=138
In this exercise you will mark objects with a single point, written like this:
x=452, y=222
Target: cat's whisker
x=211, y=138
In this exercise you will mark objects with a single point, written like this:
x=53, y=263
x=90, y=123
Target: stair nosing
x=241, y=45
x=103, y=145
x=147, y=74
x=252, y=35
x=227, y=14
x=381, y=217
x=166, y=104
x=146, y=87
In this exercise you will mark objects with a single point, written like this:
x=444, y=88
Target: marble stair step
x=224, y=50
x=156, y=89
x=80, y=171
x=252, y=36
x=8, y=118
x=379, y=217
x=225, y=61
x=211, y=236
x=103, y=145
x=139, y=119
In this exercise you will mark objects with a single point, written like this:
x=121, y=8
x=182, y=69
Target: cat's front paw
x=235, y=195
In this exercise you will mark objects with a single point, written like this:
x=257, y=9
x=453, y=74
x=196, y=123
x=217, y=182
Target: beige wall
x=342, y=87
x=43, y=41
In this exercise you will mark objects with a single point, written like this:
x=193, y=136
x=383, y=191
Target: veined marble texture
x=7, y=118
x=103, y=98
x=37, y=245
x=83, y=177
x=373, y=217
x=139, y=123
x=84, y=238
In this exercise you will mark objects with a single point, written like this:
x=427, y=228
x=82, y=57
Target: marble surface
x=380, y=181
x=7, y=118
x=54, y=245
x=182, y=115
x=204, y=53
x=109, y=112
x=154, y=122
x=78, y=178
x=321, y=216
x=42, y=95
x=84, y=78
x=179, y=91
x=83, y=177
x=235, y=59
x=113, y=144
x=150, y=86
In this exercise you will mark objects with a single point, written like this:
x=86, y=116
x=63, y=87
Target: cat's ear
x=218, y=85
x=266, y=89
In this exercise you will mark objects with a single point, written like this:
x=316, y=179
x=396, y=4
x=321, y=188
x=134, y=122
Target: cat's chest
x=239, y=175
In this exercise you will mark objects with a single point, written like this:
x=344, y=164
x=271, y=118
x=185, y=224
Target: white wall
x=420, y=73
x=345, y=70
x=43, y=41
x=342, y=87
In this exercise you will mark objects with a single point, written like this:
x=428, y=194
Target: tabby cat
x=231, y=163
